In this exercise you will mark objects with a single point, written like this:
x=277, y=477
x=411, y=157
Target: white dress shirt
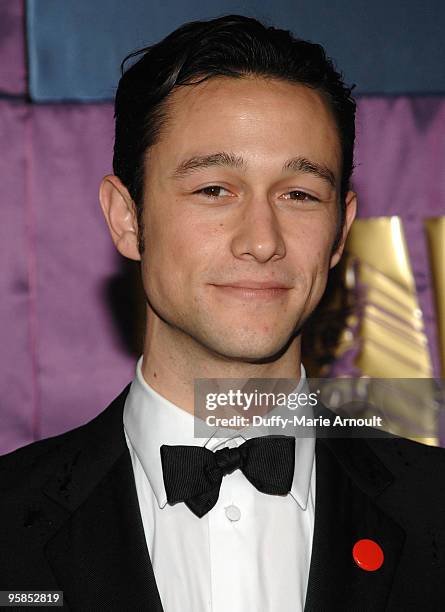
x=251, y=552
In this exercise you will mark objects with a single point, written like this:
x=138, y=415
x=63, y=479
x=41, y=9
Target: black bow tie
x=193, y=474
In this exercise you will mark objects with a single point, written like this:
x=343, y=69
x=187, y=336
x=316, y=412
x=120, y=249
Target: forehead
x=256, y=116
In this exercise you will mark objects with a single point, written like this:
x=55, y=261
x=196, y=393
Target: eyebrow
x=229, y=160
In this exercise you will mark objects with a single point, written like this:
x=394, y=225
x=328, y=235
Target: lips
x=253, y=290
x=251, y=284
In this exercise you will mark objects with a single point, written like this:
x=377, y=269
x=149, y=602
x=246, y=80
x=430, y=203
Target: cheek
x=190, y=245
x=311, y=256
x=314, y=246
x=177, y=254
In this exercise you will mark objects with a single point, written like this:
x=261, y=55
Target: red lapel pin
x=368, y=555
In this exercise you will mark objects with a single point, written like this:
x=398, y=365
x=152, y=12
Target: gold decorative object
x=370, y=324
x=394, y=344
x=435, y=231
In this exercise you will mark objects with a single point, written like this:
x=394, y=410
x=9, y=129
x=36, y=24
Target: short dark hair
x=233, y=46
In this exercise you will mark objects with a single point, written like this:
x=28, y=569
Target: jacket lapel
x=348, y=478
x=99, y=554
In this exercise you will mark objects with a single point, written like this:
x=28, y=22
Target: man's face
x=246, y=216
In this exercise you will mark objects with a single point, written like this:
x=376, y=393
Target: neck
x=173, y=360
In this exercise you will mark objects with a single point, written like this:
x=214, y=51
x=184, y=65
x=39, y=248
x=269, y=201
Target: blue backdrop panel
x=385, y=47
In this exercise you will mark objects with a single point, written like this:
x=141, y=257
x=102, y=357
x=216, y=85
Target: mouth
x=254, y=290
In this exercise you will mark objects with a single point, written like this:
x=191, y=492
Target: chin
x=250, y=351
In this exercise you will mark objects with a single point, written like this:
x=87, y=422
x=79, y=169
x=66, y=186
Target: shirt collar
x=151, y=420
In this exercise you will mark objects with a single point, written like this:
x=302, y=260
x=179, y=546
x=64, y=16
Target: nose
x=259, y=235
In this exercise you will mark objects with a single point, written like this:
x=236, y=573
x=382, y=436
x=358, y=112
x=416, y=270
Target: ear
x=120, y=214
x=351, y=209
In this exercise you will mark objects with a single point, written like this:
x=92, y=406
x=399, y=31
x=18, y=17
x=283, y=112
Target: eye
x=300, y=196
x=212, y=191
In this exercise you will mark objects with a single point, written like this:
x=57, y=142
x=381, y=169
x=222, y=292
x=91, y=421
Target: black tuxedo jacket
x=70, y=521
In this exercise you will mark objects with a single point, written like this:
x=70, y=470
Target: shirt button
x=233, y=513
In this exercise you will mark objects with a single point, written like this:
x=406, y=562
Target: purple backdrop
x=61, y=353
x=12, y=48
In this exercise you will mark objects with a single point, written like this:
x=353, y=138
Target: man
x=233, y=155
